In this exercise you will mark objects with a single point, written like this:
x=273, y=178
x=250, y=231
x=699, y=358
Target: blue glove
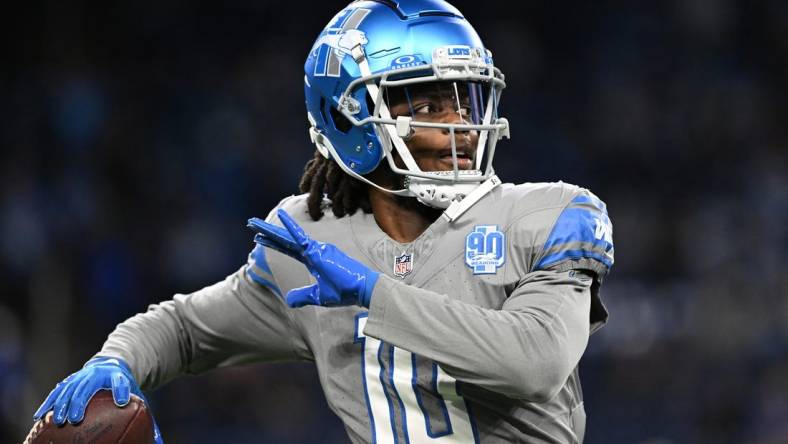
x=341, y=280
x=69, y=398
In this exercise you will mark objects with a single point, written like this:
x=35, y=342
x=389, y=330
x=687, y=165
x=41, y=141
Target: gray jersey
x=473, y=334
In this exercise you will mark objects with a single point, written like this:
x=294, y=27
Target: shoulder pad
x=581, y=238
x=290, y=204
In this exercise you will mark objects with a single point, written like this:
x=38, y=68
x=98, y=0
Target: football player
x=438, y=304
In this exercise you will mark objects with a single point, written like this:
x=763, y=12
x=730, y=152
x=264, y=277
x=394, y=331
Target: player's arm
x=235, y=321
x=240, y=319
x=525, y=350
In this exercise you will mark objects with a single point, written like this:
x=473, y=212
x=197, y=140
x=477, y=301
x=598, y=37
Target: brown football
x=104, y=423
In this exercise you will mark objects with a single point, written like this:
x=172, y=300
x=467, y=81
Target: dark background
x=138, y=137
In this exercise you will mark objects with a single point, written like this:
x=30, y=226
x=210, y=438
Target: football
x=104, y=423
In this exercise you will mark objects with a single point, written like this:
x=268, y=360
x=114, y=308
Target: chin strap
x=457, y=208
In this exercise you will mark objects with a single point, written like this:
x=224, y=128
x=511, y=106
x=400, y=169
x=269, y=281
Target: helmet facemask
x=464, y=84
x=455, y=106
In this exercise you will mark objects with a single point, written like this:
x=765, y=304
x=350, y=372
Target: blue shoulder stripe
x=583, y=230
x=573, y=254
x=258, y=267
x=264, y=282
x=258, y=254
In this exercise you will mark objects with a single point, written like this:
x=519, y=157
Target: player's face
x=438, y=102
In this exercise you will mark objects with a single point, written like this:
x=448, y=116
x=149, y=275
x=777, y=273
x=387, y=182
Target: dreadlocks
x=324, y=177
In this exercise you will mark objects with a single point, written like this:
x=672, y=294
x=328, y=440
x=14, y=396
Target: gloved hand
x=70, y=397
x=341, y=280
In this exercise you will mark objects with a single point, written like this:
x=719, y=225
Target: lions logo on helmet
x=342, y=39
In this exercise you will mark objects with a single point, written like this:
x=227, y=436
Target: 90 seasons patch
x=485, y=249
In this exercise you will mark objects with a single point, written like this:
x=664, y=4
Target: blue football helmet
x=373, y=47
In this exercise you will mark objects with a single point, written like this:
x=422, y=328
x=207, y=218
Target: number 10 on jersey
x=396, y=404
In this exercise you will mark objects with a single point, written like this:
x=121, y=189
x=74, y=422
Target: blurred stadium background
x=138, y=137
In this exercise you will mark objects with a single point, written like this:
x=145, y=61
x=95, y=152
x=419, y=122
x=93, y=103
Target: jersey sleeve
x=525, y=350
x=581, y=238
x=238, y=320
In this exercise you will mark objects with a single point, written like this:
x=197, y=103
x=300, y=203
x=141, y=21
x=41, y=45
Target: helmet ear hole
x=341, y=123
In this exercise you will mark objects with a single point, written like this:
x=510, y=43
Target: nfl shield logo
x=403, y=265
